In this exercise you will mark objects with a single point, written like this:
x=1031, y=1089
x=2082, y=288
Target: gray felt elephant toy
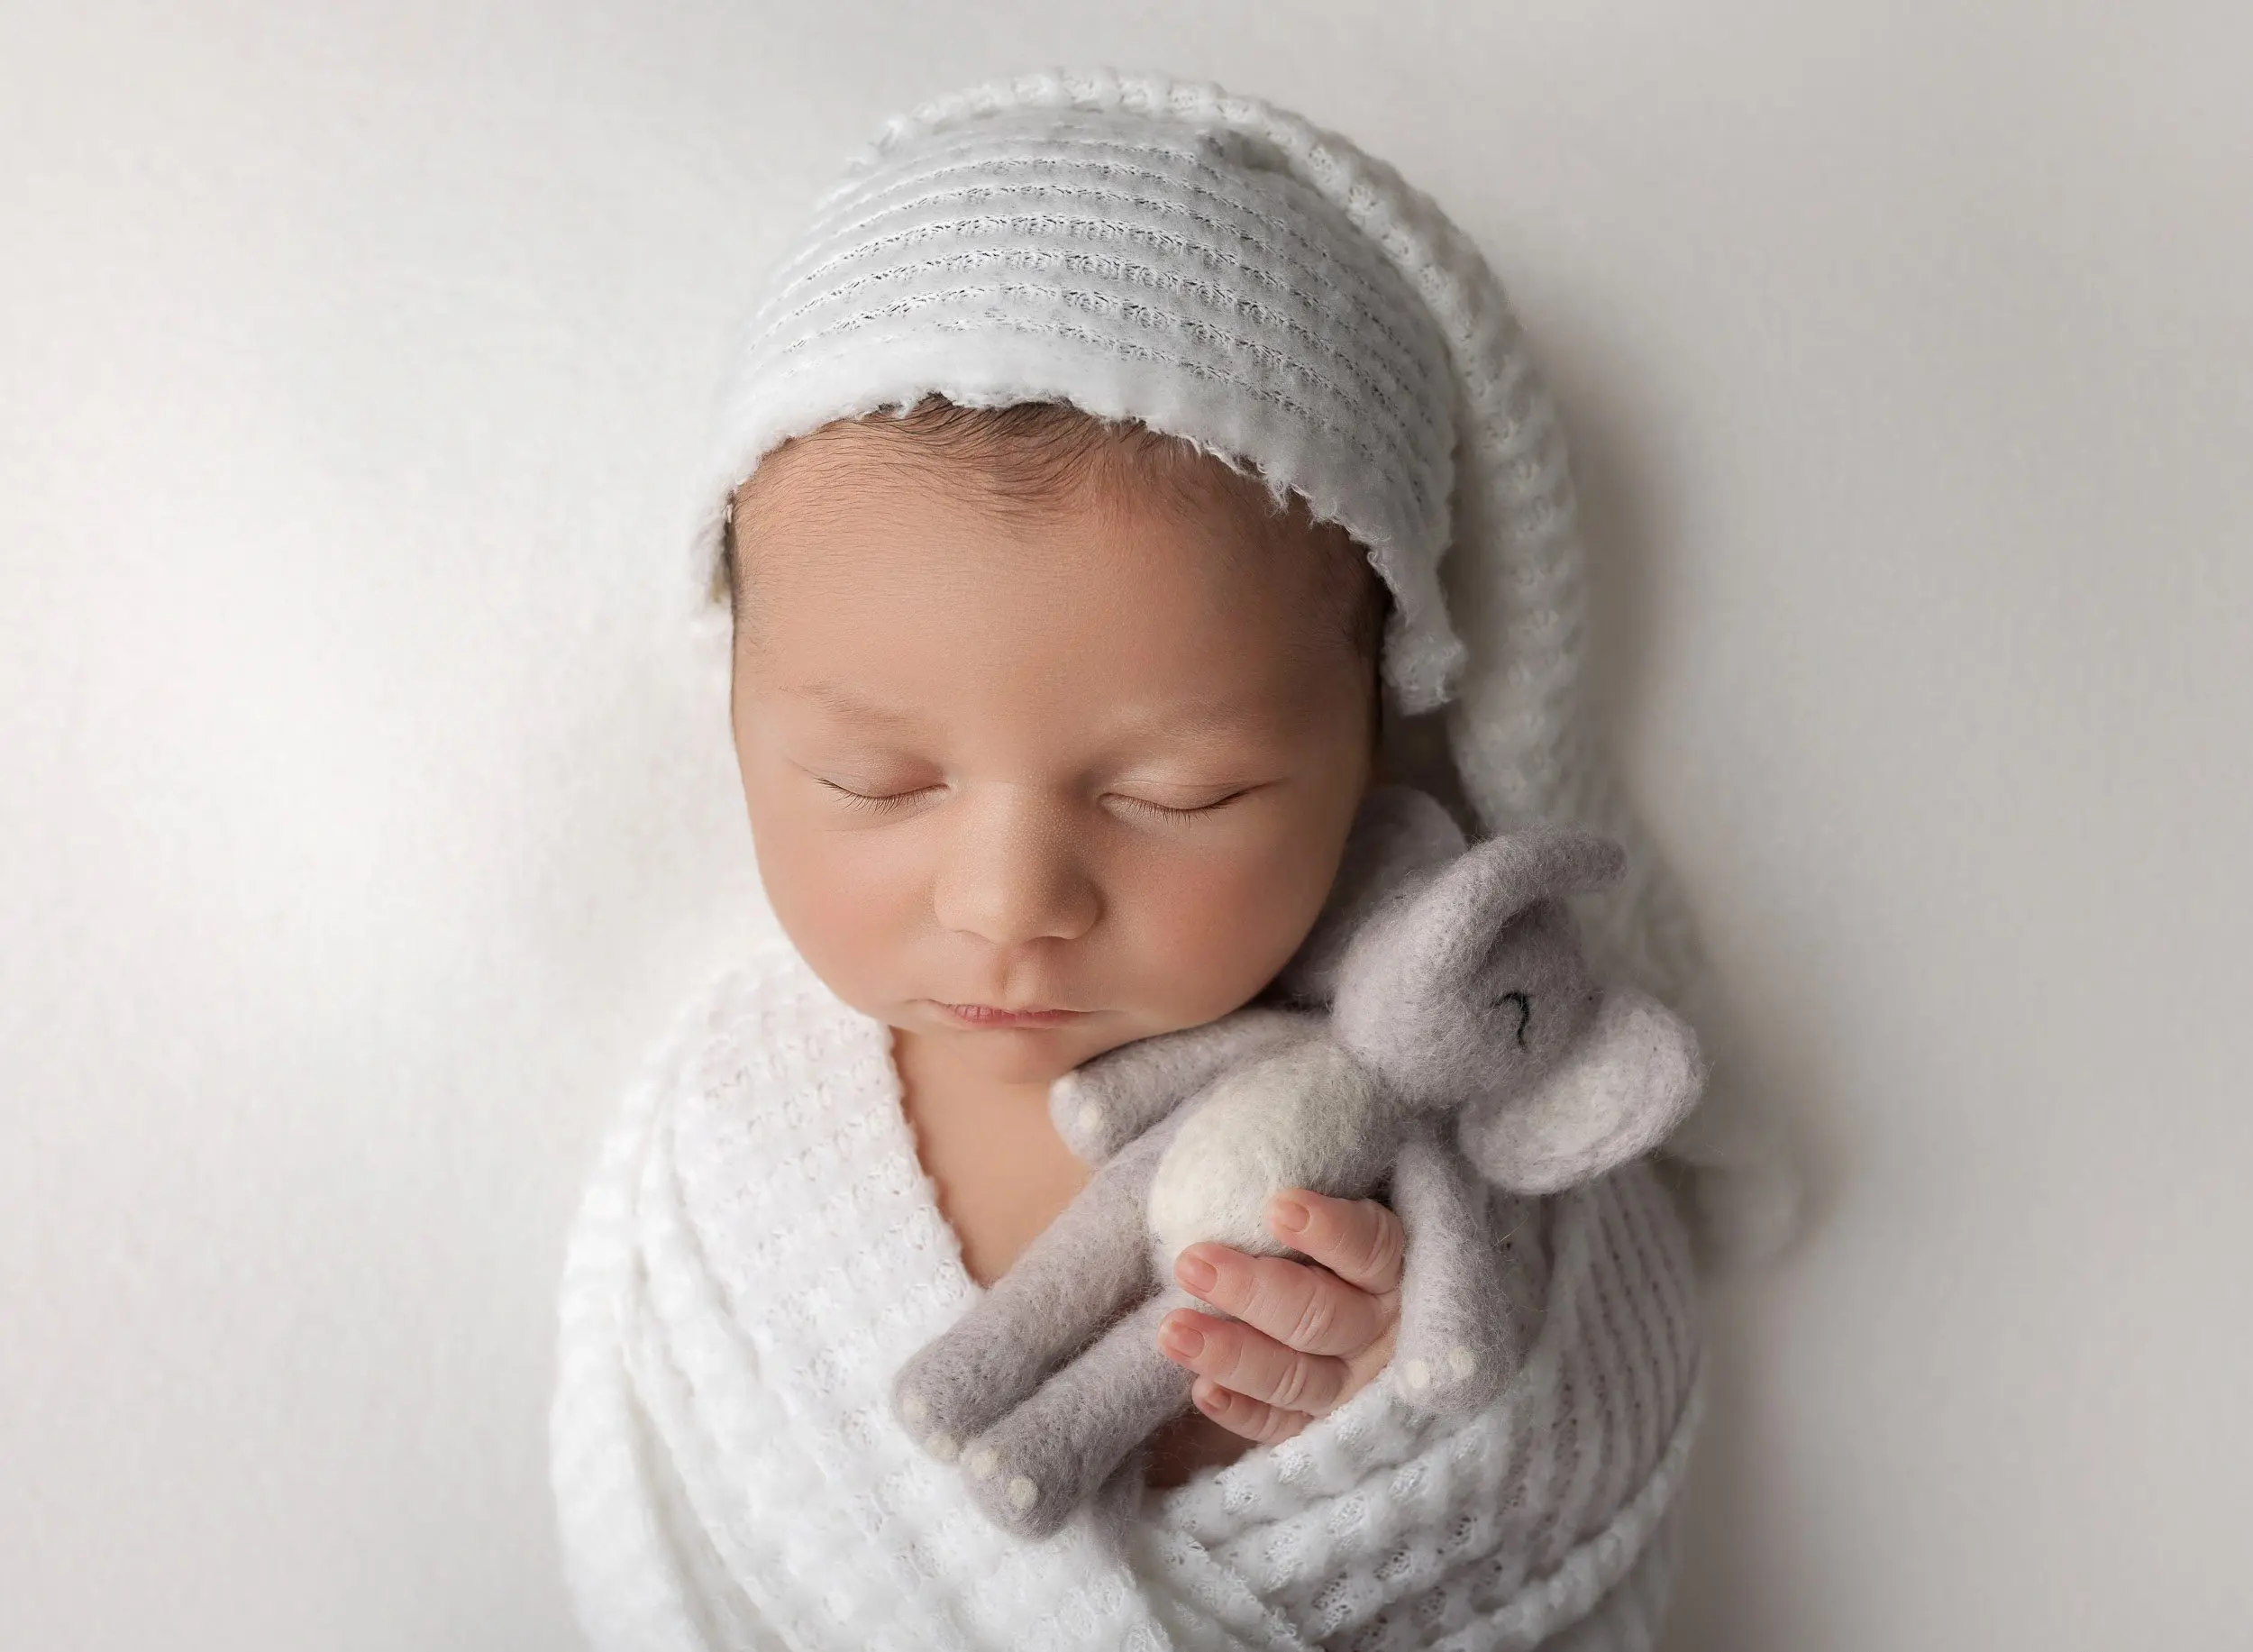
x=1464, y=1043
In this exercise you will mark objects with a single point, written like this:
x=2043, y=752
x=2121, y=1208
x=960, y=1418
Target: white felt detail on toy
x=1294, y=1120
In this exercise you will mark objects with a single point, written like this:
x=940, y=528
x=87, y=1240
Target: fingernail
x=1288, y=1214
x=1196, y=1273
x=1183, y=1339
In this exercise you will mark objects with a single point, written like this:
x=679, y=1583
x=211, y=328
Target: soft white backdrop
x=358, y=830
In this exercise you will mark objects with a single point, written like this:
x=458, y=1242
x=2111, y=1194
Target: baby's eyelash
x=1202, y=808
x=861, y=799
x=865, y=800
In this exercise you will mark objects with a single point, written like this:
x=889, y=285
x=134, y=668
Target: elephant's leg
x=1078, y=1274
x=1458, y=1344
x=1105, y=1103
x=1041, y=1461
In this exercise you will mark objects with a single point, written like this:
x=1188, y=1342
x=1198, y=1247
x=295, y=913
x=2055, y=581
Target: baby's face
x=1099, y=758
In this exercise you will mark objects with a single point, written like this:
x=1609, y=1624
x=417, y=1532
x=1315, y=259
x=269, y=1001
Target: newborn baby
x=1051, y=731
x=1115, y=479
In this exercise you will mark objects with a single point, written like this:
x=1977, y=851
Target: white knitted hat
x=1229, y=274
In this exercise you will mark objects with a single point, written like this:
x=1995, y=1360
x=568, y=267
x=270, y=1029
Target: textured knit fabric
x=1229, y=273
x=760, y=1249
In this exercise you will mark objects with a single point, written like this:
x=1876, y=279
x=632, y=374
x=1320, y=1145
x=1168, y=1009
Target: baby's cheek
x=1207, y=937
x=847, y=901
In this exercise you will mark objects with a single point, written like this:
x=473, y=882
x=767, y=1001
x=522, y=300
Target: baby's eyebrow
x=845, y=702
x=1205, y=718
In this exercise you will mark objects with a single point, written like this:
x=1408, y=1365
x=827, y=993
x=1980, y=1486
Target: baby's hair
x=1034, y=457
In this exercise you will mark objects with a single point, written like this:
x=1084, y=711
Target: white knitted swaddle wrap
x=1229, y=274
x=757, y=1252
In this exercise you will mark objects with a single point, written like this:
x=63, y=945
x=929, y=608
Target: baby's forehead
x=1039, y=466
x=957, y=499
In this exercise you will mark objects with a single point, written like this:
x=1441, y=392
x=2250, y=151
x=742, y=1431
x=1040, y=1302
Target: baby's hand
x=1305, y=1339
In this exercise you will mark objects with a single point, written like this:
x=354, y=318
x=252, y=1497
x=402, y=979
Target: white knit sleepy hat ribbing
x=1226, y=273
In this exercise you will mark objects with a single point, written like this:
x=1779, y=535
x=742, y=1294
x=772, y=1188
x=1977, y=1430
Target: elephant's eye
x=1525, y=1012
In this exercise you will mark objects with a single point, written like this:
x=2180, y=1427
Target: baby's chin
x=1029, y=1054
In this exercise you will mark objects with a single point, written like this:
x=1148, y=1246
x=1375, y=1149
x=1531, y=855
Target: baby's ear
x=1618, y=1091
x=1397, y=832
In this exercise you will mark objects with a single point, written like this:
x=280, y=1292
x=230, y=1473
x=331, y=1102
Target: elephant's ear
x=1623, y=1084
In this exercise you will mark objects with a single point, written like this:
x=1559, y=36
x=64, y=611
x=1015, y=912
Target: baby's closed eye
x=1162, y=801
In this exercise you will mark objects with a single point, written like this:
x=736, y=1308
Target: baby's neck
x=1001, y=1171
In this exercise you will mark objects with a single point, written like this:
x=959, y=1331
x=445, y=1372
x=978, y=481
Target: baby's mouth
x=991, y=1016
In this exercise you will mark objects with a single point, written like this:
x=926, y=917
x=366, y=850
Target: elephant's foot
x=952, y=1387
x=1036, y=1465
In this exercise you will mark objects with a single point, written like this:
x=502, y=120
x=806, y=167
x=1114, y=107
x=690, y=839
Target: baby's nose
x=1013, y=870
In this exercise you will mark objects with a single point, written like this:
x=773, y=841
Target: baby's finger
x=1254, y=1364
x=1306, y=1308
x=1255, y=1419
x=1358, y=1239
